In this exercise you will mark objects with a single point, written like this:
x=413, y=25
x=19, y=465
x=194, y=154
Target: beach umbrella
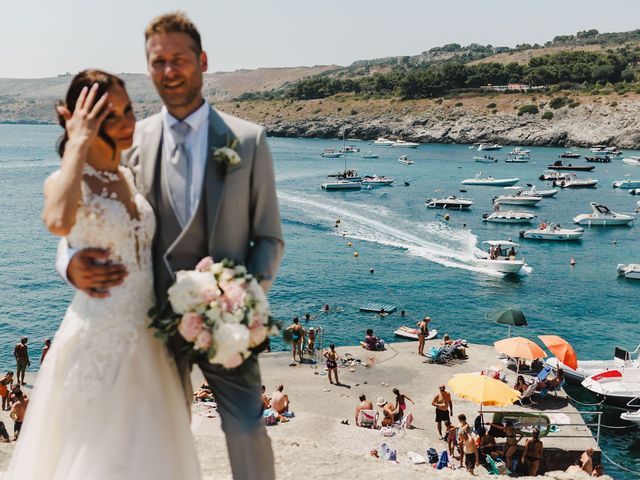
x=561, y=349
x=483, y=390
x=519, y=347
x=510, y=316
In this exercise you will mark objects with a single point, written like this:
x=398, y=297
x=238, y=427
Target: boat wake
x=433, y=241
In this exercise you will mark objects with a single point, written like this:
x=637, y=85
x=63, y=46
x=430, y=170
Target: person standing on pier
x=532, y=454
x=444, y=408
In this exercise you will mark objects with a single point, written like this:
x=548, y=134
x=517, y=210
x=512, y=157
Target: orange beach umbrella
x=561, y=349
x=519, y=347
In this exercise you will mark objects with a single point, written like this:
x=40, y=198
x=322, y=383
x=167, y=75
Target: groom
x=204, y=205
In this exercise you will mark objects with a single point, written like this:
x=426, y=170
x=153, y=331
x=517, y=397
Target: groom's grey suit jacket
x=237, y=217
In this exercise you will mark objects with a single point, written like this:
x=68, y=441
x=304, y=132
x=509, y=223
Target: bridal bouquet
x=220, y=310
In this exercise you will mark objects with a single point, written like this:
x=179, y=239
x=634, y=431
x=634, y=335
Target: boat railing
x=634, y=403
x=541, y=413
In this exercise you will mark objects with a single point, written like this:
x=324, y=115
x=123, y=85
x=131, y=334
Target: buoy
x=615, y=242
x=572, y=262
x=349, y=244
x=336, y=225
x=337, y=221
x=447, y=217
x=356, y=254
x=371, y=270
x=464, y=225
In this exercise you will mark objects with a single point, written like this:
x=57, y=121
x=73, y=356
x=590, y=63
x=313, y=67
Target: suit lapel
x=149, y=154
x=219, y=136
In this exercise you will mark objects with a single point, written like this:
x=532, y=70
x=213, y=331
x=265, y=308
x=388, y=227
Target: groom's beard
x=181, y=99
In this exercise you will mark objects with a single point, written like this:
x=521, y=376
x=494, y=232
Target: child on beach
x=332, y=363
x=470, y=450
x=5, y=384
x=450, y=434
x=401, y=404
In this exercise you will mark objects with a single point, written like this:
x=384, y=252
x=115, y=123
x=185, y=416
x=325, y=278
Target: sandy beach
x=315, y=443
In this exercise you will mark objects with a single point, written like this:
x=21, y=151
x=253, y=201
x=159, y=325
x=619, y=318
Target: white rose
x=240, y=270
x=216, y=268
x=186, y=294
x=229, y=339
x=214, y=313
x=229, y=318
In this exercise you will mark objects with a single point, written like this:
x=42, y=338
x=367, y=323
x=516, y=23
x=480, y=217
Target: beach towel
x=444, y=460
x=386, y=453
x=416, y=458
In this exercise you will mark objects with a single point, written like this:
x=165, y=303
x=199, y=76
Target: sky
x=43, y=38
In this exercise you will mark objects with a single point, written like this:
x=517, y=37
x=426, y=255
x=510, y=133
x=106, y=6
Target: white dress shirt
x=196, y=140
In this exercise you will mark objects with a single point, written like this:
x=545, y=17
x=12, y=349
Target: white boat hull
x=633, y=417
x=485, y=160
x=631, y=161
x=501, y=266
x=617, y=387
x=341, y=186
x=631, y=271
x=509, y=217
x=496, y=182
x=541, y=193
x=590, y=221
x=517, y=200
x=563, y=235
x=626, y=184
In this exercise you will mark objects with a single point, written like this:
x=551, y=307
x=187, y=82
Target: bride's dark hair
x=86, y=78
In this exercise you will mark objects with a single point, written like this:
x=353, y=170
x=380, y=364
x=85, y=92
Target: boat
x=598, y=159
x=383, y=142
x=404, y=159
x=519, y=152
x=331, y=153
x=622, y=358
x=602, y=216
x=635, y=191
x=569, y=154
x=369, y=154
x=350, y=149
x=553, y=232
x=633, y=417
x=412, y=333
x=402, y=144
x=557, y=165
x=540, y=193
x=604, y=150
x=518, y=199
x=573, y=182
x=496, y=256
x=486, y=159
x=488, y=146
x=375, y=180
x=551, y=175
x=626, y=184
x=508, y=216
x=517, y=159
x=630, y=270
x=351, y=175
x=633, y=161
x=618, y=387
x=341, y=185
x=497, y=182
x=451, y=202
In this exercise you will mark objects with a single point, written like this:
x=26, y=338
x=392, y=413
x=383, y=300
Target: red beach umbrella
x=561, y=349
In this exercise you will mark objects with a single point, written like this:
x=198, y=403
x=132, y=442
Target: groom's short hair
x=174, y=22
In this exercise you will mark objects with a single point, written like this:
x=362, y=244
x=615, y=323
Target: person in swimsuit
x=488, y=447
x=470, y=451
x=444, y=405
x=401, y=404
x=532, y=454
x=521, y=386
x=511, y=442
x=296, y=331
x=332, y=363
x=450, y=434
x=423, y=333
x=388, y=412
x=5, y=384
x=311, y=341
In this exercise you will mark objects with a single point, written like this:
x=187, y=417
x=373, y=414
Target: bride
x=107, y=403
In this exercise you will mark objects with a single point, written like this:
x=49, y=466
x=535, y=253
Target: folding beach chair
x=368, y=418
x=528, y=393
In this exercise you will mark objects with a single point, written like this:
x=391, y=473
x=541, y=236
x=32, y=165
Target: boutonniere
x=227, y=157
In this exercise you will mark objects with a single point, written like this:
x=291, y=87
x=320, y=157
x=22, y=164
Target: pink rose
x=191, y=324
x=233, y=361
x=210, y=293
x=204, y=340
x=205, y=264
x=235, y=294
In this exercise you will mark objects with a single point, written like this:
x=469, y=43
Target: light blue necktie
x=180, y=166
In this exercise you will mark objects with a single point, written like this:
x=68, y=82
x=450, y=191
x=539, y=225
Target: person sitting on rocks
x=371, y=342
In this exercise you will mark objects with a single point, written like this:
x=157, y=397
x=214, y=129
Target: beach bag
x=432, y=455
x=387, y=431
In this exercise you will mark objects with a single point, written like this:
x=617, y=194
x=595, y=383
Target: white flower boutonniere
x=227, y=157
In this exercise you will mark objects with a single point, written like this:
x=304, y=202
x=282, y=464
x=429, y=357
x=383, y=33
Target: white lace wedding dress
x=107, y=403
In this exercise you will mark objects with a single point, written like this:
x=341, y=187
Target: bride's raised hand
x=83, y=124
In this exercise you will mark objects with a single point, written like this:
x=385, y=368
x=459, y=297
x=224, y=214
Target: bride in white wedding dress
x=107, y=403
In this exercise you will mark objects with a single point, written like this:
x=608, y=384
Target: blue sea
x=407, y=255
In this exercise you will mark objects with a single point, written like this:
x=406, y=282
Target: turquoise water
x=422, y=263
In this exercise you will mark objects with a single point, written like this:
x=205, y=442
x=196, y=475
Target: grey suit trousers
x=240, y=406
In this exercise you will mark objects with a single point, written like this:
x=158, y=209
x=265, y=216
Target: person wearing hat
x=423, y=333
x=532, y=454
x=388, y=412
x=311, y=340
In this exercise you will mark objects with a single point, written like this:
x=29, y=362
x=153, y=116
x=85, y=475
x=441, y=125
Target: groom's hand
x=90, y=271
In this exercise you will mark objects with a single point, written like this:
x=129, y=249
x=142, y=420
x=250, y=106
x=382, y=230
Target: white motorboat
x=412, y=333
x=508, y=216
x=553, y=175
x=452, y=203
x=519, y=151
x=626, y=184
x=517, y=159
x=402, y=144
x=369, y=155
x=488, y=146
x=404, y=159
x=553, y=232
x=604, y=150
x=540, y=193
x=496, y=182
x=518, y=199
x=341, y=185
x=375, y=180
x=630, y=270
x=350, y=149
x=383, y=142
x=633, y=161
x=602, y=216
x=500, y=256
x=351, y=175
x=635, y=191
x=631, y=417
x=573, y=182
x=486, y=159
x=617, y=387
x=622, y=358
x=331, y=153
